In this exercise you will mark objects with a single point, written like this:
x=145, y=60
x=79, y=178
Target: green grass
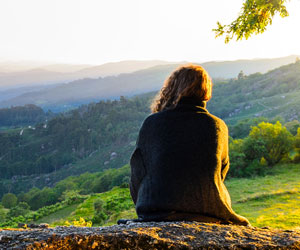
x=277, y=211
x=285, y=177
x=272, y=201
x=84, y=210
x=59, y=215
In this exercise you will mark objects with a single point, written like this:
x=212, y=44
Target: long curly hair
x=186, y=81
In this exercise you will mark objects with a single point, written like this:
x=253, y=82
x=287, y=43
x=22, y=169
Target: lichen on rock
x=151, y=235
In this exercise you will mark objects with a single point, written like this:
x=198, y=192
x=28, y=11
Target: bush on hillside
x=3, y=213
x=21, y=209
x=9, y=200
x=271, y=141
x=297, y=147
x=266, y=145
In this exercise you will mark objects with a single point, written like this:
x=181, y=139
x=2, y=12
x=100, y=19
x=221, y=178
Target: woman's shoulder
x=167, y=114
x=219, y=122
x=216, y=118
x=152, y=118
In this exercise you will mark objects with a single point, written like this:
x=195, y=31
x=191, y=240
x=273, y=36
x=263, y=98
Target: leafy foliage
x=79, y=223
x=22, y=115
x=9, y=200
x=266, y=145
x=242, y=128
x=3, y=213
x=292, y=126
x=21, y=209
x=12, y=221
x=64, y=195
x=68, y=189
x=297, y=146
x=255, y=16
x=275, y=142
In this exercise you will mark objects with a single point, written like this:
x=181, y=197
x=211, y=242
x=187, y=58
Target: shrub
x=79, y=223
x=9, y=200
x=297, y=147
x=3, y=213
x=271, y=141
x=21, y=209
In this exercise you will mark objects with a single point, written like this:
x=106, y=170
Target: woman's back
x=181, y=159
x=184, y=154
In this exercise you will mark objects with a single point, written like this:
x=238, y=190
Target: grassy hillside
x=272, y=201
x=274, y=93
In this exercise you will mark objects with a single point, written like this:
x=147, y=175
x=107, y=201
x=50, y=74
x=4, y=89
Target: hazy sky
x=99, y=31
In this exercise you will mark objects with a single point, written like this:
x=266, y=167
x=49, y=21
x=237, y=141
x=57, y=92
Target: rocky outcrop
x=163, y=235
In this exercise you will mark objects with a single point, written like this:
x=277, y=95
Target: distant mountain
x=87, y=90
x=65, y=68
x=21, y=66
x=18, y=66
x=229, y=69
x=16, y=74
x=17, y=91
x=65, y=96
x=115, y=68
x=32, y=77
x=62, y=73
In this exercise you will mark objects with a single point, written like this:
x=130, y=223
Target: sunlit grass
x=127, y=214
x=278, y=211
x=285, y=177
x=272, y=201
x=59, y=215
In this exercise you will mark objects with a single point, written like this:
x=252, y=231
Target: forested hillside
x=93, y=137
x=276, y=93
x=23, y=115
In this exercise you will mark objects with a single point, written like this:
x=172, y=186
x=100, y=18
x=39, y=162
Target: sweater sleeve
x=137, y=173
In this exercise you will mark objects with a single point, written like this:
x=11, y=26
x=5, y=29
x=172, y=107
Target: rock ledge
x=153, y=235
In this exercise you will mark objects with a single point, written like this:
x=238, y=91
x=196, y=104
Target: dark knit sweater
x=179, y=166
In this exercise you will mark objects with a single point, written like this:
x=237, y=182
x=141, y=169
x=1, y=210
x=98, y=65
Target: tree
x=273, y=142
x=21, y=209
x=9, y=200
x=3, y=213
x=255, y=16
x=241, y=75
x=297, y=146
x=292, y=126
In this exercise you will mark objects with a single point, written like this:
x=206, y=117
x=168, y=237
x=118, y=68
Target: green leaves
x=255, y=16
x=266, y=145
x=277, y=141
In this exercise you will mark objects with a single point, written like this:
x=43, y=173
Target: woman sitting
x=181, y=159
